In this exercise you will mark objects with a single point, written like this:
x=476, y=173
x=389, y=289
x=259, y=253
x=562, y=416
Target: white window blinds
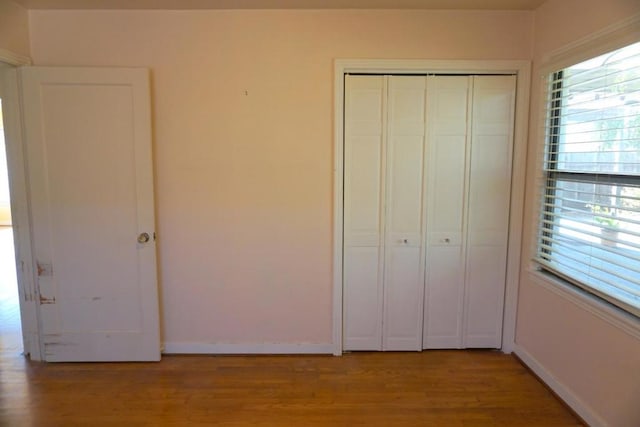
x=589, y=231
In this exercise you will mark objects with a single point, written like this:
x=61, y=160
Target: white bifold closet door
x=470, y=138
x=426, y=208
x=384, y=221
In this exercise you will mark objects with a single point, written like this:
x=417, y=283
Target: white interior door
x=383, y=212
x=470, y=142
x=448, y=128
x=488, y=216
x=404, y=257
x=364, y=192
x=88, y=140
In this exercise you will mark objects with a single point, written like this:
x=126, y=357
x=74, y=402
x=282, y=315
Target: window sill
x=613, y=315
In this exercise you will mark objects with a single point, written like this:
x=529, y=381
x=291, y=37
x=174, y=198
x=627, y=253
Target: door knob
x=143, y=238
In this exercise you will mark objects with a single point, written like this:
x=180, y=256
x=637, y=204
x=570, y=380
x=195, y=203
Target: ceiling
x=283, y=4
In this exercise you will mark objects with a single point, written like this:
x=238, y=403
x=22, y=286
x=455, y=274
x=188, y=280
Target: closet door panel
x=362, y=299
x=447, y=142
x=443, y=316
x=363, y=213
x=489, y=200
x=490, y=190
x=403, y=312
x=404, y=216
x=446, y=193
x=404, y=268
x=362, y=190
x=485, y=295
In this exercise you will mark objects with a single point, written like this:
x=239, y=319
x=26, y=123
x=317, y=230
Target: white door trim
x=20, y=211
x=14, y=59
x=522, y=69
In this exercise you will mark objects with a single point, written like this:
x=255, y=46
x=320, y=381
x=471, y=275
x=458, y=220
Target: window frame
x=549, y=141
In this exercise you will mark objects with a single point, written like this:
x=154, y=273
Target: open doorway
x=10, y=325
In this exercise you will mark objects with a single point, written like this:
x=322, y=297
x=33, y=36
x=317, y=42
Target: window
x=589, y=231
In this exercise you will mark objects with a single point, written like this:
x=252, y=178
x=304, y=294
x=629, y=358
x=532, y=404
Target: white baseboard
x=249, y=348
x=574, y=402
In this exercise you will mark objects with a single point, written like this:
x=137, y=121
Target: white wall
x=243, y=114
x=592, y=362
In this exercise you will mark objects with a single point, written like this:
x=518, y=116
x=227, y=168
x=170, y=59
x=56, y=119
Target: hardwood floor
x=433, y=388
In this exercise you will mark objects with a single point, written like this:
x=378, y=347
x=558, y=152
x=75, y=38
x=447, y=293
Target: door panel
x=363, y=299
x=402, y=300
x=89, y=167
x=443, y=315
x=363, y=204
x=363, y=212
x=404, y=260
x=485, y=295
x=489, y=201
x=447, y=147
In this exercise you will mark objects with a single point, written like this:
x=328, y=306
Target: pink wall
x=595, y=361
x=14, y=28
x=243, y=108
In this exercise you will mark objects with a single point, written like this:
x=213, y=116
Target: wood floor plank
x=437, y=388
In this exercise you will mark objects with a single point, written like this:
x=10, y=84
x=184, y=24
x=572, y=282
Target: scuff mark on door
x=45, y=300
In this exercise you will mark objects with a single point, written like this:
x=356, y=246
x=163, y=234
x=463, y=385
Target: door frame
x=20, y=210
x=522, y=70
